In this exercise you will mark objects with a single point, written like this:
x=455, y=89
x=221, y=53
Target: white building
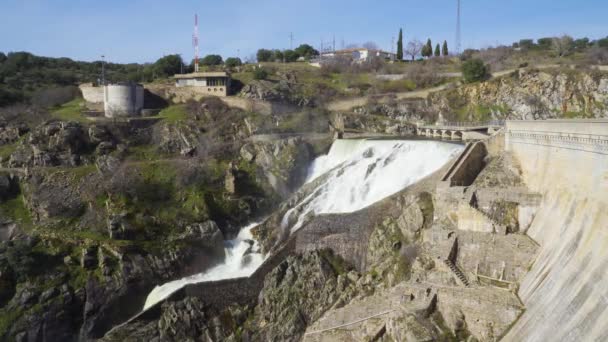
x=360, y=54
x=211, y=83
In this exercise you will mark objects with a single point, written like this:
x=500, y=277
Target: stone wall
x=91, y=94
x=183, y=94
x=468, y=165
x=565, y=291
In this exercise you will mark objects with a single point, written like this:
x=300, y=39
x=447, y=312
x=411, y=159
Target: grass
x=70, y=111
x=15, y=209
x=174, y=113
x=6, y=151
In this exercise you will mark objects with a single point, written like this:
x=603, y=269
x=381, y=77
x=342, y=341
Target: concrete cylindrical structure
x=123, y=99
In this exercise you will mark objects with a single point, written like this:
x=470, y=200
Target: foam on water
x=359, y=173
x=243, y=257
x=362, y=172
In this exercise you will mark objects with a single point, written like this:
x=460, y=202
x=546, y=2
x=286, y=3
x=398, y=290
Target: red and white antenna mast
x=195, y=42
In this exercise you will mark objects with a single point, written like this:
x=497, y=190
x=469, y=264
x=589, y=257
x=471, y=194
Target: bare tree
x=597, y=55
x=563, y=45
x=413, y=48
x=352, y=46
x=371, y=46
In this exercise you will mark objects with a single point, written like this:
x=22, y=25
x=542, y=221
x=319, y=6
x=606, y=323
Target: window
x=216, y=81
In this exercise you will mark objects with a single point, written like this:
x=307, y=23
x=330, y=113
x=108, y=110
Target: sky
x=144, y=30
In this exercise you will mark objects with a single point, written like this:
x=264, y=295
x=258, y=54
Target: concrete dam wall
x=565, y=291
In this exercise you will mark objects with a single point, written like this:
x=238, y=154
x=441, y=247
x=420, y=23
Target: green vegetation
x=233, y=62
x=400, y=46
x=260, y=74
x=70, y=111
x=14, y=209
x=444, y=49
x=7, y=150
x=306, y=51
x=8, y=318
x=475, y=70
x=212, y=60
x=174, y=113
x=427, y=49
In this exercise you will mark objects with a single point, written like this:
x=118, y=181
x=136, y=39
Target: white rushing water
x=361, y=172
x=243, y=257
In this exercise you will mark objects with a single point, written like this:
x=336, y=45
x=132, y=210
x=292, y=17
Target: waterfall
x=359, y=173
x=362, y=172
x=243, y=257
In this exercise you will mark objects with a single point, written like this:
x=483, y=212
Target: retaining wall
x=565, y=292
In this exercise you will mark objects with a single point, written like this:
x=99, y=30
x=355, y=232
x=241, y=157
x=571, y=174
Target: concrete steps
x=457, y=272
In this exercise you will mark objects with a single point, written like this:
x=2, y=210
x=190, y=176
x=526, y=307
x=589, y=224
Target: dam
x=565, y=291
x=542, y=281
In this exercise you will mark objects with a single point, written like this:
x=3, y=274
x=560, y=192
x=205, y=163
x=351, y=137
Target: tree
x=444, y=49
x=563, y=45
x=264, y=55
x=306, y=51
x=474, y=70
x=413, y=48
x=427, y=49
x=545, y=43
x=291, y=56
x=400, y=46
x=211, y=60
x=581, y=44
x=371, y=46
x=437, y=50
x=526, y=44
x=603, y=43
x=168, y=66
x=232, y=62
x=277, y=55
x=2, y=57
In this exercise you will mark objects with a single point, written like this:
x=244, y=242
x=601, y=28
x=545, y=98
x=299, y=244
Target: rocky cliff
x=527, y=95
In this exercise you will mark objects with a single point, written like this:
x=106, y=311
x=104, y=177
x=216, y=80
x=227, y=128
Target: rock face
x=527, y=95
x=285, y=90
x=281, y=164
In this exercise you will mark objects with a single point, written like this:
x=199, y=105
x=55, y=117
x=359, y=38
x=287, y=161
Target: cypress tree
x=427, y=51
x=400, y=46
x=437, y=51
x=445, y=51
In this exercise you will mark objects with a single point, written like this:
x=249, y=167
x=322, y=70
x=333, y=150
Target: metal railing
x=499, y=123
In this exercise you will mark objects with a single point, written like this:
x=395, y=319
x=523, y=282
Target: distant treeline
x=23, y=75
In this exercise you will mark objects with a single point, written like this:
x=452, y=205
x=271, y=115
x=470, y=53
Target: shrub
x=211, y=60
x=232, y=62
x=475, y=70
x=260, y=74
x=264, y=55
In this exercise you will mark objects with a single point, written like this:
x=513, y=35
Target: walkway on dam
x=460, y=130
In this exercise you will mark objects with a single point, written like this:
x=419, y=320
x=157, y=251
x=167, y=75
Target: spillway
x=357, y=173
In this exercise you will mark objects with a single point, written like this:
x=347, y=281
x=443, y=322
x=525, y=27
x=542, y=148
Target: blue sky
x=144, y=30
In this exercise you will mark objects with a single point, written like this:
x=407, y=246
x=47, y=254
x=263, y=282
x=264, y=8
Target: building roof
x=203, y=74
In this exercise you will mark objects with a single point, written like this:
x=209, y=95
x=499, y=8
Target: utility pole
x=291, y=40
x=458, y=28
x=334, y=44
x=103, y=70
x=181, y=63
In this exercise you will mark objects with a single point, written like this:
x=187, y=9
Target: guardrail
x=500, y=123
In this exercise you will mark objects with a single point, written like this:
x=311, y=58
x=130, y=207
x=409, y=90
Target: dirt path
x=346, y=105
